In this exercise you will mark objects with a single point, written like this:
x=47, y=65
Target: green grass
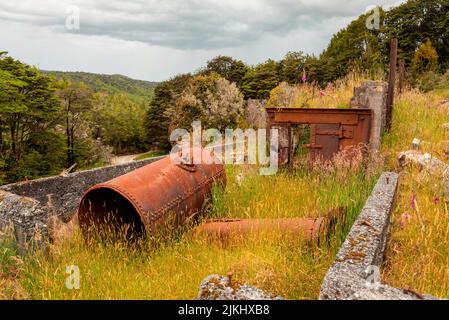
x=8, y=250
x=174, y=270
x=10, y=268
x=417, y=115
x=151, y=154
x=418, y=254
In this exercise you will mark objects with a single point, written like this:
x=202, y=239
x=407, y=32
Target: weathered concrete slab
x=23, y=216
x=22, y=211
x=354, y=275
x=216, y=287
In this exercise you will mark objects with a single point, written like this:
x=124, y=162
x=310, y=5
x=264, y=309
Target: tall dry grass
x=10, y=267
x=174, y=269
x=418, y=254
x=310, y=95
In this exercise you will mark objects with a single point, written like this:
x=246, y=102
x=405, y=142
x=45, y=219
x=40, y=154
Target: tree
x=30, y=146
x=412, y=23
x=259, y=81
x=352, y=47
x=426, y=58
x=119, y=122
x=415, y=21
x=291, y=67
x=229, y=68
x=156, y=121
x=28, y=104
x=76, y=101
x=211, y=99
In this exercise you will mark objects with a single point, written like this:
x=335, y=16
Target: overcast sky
x=155, y=39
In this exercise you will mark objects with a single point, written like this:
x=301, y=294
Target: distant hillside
x=109, y=83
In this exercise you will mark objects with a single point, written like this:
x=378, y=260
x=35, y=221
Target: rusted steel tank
x=161, y=194
x=309, y=229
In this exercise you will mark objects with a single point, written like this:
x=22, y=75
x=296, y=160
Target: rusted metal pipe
x=309, y=229
x=161, y=194
x=224, y=229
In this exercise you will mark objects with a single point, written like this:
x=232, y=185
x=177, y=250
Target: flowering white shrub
x=211, y=99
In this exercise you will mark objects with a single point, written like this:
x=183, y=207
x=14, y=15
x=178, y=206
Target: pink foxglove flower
x=412, y=202
x=304, y=76
x=406, y=216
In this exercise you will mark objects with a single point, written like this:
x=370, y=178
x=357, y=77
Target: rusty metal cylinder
x=148, y=199
x=309, y=229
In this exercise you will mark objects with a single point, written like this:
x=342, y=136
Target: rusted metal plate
x=327, y=137
x=158, y=195
x=316, y=115
x=332, y=130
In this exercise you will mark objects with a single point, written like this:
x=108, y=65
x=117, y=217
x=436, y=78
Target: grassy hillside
x=115, y=83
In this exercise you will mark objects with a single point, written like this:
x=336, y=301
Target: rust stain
x=332, y=130
x=309, y=229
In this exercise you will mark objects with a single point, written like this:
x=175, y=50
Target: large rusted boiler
x=148, y=199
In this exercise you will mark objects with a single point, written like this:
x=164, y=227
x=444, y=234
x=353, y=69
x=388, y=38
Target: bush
x=211, y=99
x=432, y=80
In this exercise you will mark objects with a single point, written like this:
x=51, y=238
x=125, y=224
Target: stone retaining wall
x=27, y=205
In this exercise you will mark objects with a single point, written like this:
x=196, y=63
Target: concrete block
x=373, y=95
x=26, y=217
x=426, y=161
x=216, y=287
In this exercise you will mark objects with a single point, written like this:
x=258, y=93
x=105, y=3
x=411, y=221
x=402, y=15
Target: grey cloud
x=185, y=24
